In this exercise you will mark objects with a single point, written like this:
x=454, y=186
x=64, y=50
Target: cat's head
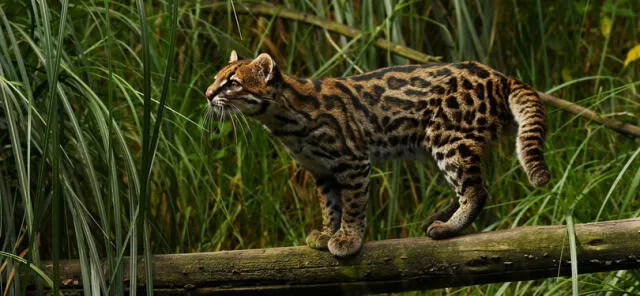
x=246, y=86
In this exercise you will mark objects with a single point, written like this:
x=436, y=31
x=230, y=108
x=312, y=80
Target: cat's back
x=466, y=93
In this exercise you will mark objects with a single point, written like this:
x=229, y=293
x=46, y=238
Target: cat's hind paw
x=440, y=230
x=429, y=220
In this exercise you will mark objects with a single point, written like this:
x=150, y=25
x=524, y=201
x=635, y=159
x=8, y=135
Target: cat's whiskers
x=246, y=123
x=206, y=133
x=220, y=112
x=233, y=124
x=244, y=119
x=208, y=119
x=235, y=128
x=244, y=133
x=234, y=117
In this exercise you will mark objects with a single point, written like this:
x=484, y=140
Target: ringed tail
x=529, y=113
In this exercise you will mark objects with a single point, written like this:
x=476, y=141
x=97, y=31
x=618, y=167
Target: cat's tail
x=529, y=113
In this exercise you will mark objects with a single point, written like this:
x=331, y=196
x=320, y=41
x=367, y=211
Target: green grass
x=105, y=151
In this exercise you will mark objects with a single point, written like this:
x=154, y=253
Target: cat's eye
x=234, y=84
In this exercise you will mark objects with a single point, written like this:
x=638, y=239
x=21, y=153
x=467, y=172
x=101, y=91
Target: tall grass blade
x=543, y=46
x=166, y=78
x=56, y=204
x=116, y=285
x=573, y=251
x=616, y=182
x=145, y=165
x=31, y=266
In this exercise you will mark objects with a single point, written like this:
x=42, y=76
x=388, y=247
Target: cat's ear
x=234, y=57
x=266, y=66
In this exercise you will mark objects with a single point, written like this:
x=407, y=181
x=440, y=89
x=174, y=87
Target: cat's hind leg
x=460, y=161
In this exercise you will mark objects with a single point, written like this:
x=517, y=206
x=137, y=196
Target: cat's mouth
x=218, y=101
x=223, y=104
x=221, y=109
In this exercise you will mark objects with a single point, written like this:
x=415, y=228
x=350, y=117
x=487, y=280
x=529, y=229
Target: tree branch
x=578, y=110
x=281, y=12
x=524, y=253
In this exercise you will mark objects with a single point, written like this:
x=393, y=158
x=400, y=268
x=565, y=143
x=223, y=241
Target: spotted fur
x=336, y=127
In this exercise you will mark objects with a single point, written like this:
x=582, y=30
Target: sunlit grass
x=102, y=128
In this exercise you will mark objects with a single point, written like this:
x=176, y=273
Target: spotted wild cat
x=336, y=127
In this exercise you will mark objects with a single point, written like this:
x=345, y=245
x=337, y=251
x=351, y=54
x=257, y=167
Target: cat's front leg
x=330, y=199
x=353, y=180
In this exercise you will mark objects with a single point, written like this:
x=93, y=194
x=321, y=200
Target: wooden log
x=524, y=253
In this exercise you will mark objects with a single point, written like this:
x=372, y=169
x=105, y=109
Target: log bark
x=419, y=263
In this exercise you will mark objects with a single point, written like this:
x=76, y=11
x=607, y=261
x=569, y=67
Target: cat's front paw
x=318, y=240
x=440, y=230
x=343, y=244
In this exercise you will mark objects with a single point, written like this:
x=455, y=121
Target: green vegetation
x=105, y=151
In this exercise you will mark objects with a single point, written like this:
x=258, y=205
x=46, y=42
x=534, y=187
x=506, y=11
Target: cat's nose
x=209, y=94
